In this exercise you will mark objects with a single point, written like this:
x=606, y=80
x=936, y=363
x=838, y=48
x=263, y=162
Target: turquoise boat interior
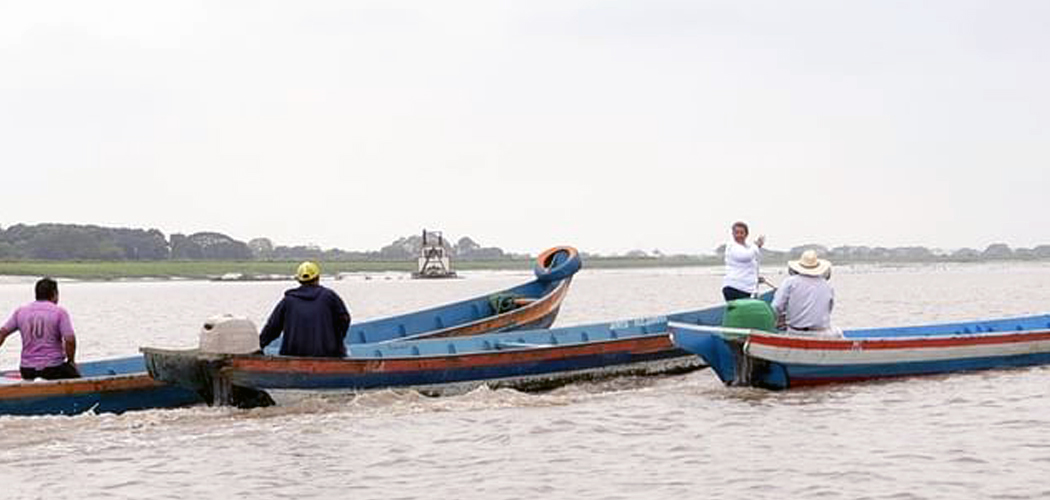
x=531, y=339
x=445, y=316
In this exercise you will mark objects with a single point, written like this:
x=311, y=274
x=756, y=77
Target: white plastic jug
x=229, y=334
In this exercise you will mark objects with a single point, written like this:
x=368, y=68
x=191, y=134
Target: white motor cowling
x=229, y=334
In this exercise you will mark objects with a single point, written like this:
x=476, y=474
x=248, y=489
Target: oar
x=726, y=332
x=763, y=281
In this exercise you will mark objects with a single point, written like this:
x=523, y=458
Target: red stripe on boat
x=635, y=345
x=849, y=344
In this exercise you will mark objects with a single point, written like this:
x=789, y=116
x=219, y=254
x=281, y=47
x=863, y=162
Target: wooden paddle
x=763, y=281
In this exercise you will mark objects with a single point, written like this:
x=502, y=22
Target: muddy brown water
x=979, y=435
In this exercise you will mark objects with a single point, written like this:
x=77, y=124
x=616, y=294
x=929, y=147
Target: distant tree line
x=89, y=242
x=79, y=242
x=405, y=248
x=996, y=251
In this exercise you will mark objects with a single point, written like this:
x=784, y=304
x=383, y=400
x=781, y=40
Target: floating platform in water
x=434, y=260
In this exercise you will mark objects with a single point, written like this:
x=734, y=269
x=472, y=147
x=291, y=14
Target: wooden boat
x=782, y=361
x=529, y=306
x=107, y=386
x=123, y=384
x=524, y=360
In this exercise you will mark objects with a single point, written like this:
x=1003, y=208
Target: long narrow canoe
x=525, y=360
x=108, y=386
x=533, y=305
x=781, y=361
x=123, y=384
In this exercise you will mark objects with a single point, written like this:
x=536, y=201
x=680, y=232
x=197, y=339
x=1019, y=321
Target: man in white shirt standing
x=805, y=299
x=741, y=279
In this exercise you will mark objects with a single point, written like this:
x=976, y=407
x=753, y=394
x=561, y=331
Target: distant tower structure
x=434, y=260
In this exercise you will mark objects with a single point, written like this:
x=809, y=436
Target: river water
x=980, y=435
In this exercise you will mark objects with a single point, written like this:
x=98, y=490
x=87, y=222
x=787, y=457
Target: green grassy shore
x=105, y=270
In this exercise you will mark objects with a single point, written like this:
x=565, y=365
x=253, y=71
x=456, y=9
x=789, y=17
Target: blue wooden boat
x=526, y=360
x=532, y=305
x=123, y=384
x=107, y=386
x=780, y=361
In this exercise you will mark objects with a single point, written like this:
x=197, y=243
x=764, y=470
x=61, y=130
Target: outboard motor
x=229, y=334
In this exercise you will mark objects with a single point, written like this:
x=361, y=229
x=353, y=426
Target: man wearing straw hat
x=805, y=299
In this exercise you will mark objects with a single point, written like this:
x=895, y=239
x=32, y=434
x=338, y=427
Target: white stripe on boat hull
x=860, y=356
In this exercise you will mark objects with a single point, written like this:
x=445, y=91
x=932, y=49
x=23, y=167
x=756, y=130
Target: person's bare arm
x=70, y=344
x=780, y=303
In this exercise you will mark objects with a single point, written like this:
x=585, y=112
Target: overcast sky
x=609, y=125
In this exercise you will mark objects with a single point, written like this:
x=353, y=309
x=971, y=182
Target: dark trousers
x=62, y=371
x=731, y=293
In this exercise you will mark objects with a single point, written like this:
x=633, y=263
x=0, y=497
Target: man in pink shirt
x=48, y=345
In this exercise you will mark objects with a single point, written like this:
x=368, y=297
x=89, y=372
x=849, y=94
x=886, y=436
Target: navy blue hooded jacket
x=314, y=321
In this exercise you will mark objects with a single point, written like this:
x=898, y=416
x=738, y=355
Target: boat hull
x=779, y=361
x=466, y=318
x=525, y=360
x=526, y=370
x=529, y=370
x=538, y=382
x=815, y=362
x=102, y=394
x=538, y=302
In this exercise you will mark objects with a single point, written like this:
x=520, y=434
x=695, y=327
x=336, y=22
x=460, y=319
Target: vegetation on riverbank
x=101, y=253
x=261, y=270
x=234, y=270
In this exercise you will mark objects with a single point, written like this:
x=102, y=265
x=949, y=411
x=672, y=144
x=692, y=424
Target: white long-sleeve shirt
x=742, y=266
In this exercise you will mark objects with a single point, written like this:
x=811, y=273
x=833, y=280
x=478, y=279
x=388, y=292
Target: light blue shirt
x=806, y=302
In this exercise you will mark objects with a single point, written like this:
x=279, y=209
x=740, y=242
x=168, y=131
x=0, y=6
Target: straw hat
x=809, y=264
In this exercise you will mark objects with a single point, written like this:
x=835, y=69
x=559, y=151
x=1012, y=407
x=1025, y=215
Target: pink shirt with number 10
x=44, y=325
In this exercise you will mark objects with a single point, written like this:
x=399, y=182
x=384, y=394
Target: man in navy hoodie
x=313, y=318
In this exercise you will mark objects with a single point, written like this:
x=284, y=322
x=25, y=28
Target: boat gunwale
x=678, y=364
x=525, y=314
x=69, y=387
x=801, y=342
x=651, y=342
x=782, y=339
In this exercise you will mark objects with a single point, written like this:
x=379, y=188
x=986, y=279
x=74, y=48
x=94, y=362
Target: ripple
x=979, y=435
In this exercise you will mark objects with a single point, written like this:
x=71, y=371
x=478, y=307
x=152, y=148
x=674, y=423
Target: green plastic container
x=750, y=313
